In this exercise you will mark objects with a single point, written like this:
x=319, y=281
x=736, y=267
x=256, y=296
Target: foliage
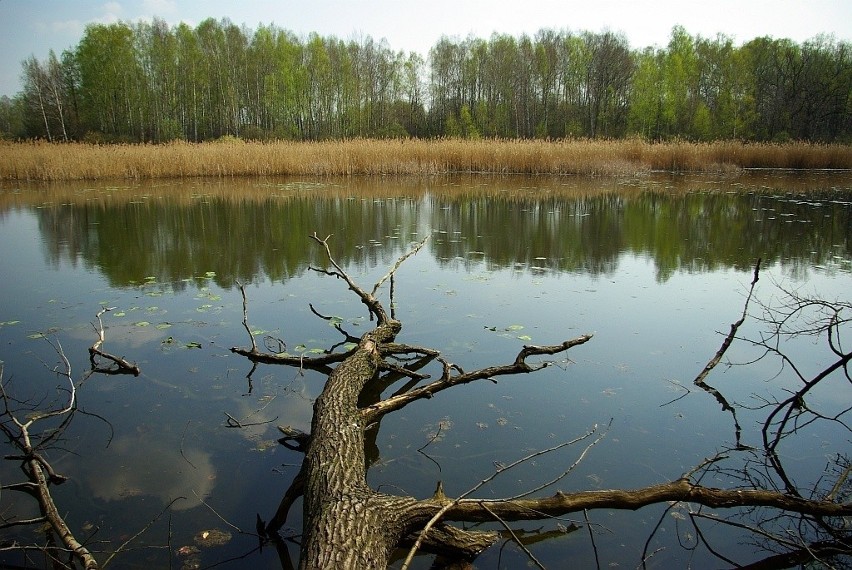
x=148, y=82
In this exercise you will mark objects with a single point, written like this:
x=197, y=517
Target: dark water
x=653, y=267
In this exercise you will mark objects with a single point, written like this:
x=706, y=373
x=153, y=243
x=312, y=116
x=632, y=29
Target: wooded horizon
x=149, y=82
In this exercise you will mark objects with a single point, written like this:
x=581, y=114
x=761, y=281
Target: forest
x=151, y=82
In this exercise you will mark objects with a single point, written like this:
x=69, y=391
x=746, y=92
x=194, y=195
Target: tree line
x=147, y=81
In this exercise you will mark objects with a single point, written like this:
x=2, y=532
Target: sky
x=33, y=27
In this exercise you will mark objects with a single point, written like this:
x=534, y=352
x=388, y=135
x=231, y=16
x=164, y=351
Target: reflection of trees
x=245, y=238
x=236, y=240
x=681, y=232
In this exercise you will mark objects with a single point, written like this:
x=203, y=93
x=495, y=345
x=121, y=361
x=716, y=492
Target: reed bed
x=39, y=161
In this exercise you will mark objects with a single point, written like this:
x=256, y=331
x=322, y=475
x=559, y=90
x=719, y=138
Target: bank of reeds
x=233, y=157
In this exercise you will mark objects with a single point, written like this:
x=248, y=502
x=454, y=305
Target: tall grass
x=233, y=157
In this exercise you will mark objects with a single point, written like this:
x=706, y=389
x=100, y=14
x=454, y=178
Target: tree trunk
x=347, y=525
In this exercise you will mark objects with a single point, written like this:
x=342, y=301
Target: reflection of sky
x=144, y=466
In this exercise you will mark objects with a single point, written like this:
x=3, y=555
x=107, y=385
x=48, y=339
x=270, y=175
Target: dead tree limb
x=448, y=380
x=700, y=380
x=122, y=366
x=348, y=524
x=38, y=470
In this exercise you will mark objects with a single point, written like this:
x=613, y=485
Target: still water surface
x=653, y=267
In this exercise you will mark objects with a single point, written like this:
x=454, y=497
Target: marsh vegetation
x=234, y=157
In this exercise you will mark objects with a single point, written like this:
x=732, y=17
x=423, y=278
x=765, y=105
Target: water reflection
x=142, y=465
x=245, y=229
x=654, y=267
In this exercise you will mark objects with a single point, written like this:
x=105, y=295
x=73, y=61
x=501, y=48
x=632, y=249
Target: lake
x=656, y=267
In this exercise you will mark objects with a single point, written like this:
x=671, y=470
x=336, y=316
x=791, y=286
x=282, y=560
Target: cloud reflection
x=142, y=466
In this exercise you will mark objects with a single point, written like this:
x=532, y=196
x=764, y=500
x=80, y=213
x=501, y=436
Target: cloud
x=159, y=7
x=70, y=27
x=111, y=13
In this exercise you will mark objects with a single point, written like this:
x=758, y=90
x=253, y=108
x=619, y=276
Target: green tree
x=109, y=76
x=607, y=88
x=680, y=85
x=11, y=117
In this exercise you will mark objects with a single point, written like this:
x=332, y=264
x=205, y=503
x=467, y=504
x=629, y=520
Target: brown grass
x=233, y=157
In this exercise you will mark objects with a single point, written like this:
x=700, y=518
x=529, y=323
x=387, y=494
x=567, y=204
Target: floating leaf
x=210, y=274
x=301, y=348
x=10, y=323
x=119, y=314
x=258, y=332
x=142, y=324
x=316, y=351
x=163, y=326
x=525, y=337
x=512, y=328
x=193, y=344
x=36, y=335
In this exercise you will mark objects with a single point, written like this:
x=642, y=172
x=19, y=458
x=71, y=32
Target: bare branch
x=375, y=308
x=399, y=262
x=448, y=505
x=39, y=475
x=516, y=539
x=123, y=366
x=245, y=319
x=632, y=499
x=519, y=366
x=726, y=343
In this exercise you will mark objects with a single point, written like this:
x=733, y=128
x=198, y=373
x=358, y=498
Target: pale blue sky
x=33, y=27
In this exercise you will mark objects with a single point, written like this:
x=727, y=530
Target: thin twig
x=398, y=263
x=515, y=537
x=124, y=367
x=592, y=537
x=221, y=518
x=437, y=516
x=570, y=468
x=144, y=529
x=245, y=317
x=186, y=427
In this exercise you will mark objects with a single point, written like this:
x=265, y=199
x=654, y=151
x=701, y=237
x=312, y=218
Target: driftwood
x=40, y=474
x=346, y=524
x=119, y=365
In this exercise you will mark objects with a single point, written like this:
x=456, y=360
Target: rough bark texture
x=346, y=524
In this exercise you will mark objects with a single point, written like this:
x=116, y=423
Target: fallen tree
x=347, y=524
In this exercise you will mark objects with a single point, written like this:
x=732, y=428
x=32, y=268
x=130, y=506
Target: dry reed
x=39, y=161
